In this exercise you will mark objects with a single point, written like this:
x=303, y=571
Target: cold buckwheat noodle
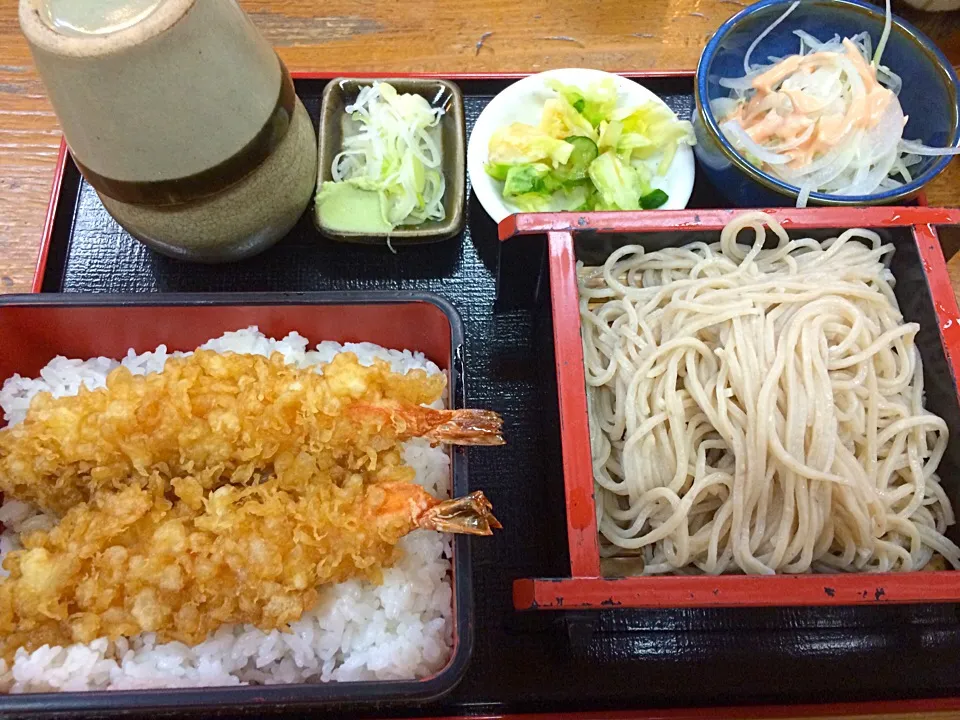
x=760, y=409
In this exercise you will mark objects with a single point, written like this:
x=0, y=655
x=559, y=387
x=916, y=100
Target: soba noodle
x=759, y=409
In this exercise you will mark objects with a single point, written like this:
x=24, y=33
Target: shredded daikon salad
x=825, y=120
x=395, y=152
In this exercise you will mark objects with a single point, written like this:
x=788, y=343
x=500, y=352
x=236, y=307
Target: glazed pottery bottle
x=181, y=116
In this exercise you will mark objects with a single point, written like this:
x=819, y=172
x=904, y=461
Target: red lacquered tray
x=892, y=710
x=911, y=229
x=744, y=663
x=43, y=326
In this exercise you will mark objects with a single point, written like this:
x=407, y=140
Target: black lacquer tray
x=532, y=662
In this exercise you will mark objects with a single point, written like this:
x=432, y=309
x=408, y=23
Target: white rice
x=402, y=629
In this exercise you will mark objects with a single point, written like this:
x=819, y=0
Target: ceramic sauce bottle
x=181, y=116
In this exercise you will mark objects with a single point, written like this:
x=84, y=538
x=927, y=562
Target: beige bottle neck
x=174, y=95
x=93, y=28
x=81, y=18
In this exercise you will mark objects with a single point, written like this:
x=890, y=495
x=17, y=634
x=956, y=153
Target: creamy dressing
x=821, y=122
x=800, y=124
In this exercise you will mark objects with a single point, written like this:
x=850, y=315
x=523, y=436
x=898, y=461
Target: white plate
x=523, y=102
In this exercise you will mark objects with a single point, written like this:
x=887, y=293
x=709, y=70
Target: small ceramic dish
x=523, y=102
x=341, y=92
x=929, y=96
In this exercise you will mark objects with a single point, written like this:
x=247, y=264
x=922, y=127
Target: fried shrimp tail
x=469, y=515
x=406, y=507
x=469, y=427
x=455, y=427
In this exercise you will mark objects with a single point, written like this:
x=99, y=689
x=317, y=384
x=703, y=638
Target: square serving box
x=341, y=92
x=925, y=296
x=38, y=327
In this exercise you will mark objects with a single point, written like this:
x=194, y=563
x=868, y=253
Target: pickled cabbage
x=586, y=154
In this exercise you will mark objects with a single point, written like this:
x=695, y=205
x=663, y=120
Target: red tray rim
x=585, y=588
x=750, y=712
x=887, y=216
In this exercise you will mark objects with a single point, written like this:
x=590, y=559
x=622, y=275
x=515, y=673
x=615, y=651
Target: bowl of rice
x=756, y=165
x=406, y=638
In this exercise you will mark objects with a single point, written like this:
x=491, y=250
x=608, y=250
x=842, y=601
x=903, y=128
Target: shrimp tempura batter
x=134, y=561
x=225, y=419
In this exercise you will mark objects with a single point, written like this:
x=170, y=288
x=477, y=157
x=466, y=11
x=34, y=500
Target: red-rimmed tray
x=81, y=326
x=525, y=662
x=926, y=297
